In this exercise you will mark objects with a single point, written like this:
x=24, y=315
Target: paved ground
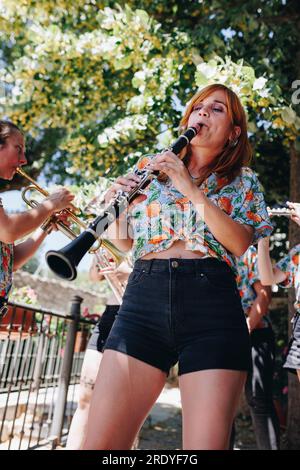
x=162, y=430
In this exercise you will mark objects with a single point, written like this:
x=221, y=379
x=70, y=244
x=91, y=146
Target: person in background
x=259, y=384
x=286, y=273
x=14, y=227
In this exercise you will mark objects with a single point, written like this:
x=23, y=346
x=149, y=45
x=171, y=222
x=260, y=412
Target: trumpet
x=110, y=256
x=34, y=186
x=106, y=267
x=280, y=211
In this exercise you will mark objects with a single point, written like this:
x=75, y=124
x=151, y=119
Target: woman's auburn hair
x=227, y=165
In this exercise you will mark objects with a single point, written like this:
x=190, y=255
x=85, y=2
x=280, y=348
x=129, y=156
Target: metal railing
x=41, y=354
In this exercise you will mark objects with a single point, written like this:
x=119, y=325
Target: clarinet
x=64, y=262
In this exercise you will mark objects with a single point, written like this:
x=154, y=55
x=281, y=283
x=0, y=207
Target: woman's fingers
x=122, y=183
x=166, y=166
x=166, y=157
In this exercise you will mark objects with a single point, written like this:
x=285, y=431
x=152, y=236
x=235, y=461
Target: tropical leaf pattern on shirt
x=290, y=265
x=171, y=216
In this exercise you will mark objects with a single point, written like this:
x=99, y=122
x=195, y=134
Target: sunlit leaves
x=108, y=86
x=254, y=92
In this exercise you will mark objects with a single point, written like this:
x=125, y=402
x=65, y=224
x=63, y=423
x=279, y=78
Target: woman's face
x=216, y=129
x=12, y=155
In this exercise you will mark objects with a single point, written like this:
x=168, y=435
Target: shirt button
x=175, y=264
x=201, y=274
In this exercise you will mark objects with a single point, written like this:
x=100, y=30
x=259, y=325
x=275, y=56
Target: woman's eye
x=219, y=110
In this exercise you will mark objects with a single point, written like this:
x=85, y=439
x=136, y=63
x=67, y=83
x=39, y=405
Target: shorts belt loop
x=195, y=266
x=149, y=266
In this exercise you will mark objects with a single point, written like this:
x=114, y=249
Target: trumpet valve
x=279, y=211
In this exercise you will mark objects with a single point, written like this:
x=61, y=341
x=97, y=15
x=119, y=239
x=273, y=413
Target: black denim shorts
x=102, y=328
x=185, y=310
x=292, y=361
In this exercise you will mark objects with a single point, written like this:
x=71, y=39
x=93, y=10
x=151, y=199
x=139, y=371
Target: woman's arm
x=118, y=231
x=16, y=226
x=260, y=306
x=25, y=250
x=235, y=237
x=267, y=274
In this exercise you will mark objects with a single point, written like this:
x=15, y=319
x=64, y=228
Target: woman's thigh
x=209, y=402
x=89, y=371
x=125, y=390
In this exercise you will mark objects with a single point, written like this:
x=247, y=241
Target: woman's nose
x=22, y=159
x=203, y=111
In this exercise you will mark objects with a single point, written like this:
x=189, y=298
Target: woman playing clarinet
x=181, y=303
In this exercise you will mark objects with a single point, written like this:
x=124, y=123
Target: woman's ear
x=234, y=136
x=236, y=132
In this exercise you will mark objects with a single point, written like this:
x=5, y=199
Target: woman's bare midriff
x=177, y=250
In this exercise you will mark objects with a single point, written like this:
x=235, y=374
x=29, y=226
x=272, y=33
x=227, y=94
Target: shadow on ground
x=167, y=434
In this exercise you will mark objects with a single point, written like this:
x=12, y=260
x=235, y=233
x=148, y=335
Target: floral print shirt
x=290, y=265
x=166, y=215
x=247, y=276
x=6, y=267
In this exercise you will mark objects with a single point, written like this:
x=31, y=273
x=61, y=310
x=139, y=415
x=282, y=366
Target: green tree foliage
x=95, y=83
x=107, y=83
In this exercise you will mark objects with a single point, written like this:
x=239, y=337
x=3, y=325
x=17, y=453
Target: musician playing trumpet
x=286, y=273
x=15, y=226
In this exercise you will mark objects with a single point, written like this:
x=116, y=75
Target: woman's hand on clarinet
x=172, y=166
x=123, y=183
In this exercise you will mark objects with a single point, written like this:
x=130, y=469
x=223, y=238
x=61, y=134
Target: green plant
x=24, y=295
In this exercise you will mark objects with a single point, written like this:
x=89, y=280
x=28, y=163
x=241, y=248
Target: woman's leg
x=125, y=391
x=209, y=402
x=259, y=390
x=89, y=371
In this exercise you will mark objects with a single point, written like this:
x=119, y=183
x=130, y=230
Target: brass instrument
x=110, y=255
x=34, y=186
x=280, y=211
x=106, y=267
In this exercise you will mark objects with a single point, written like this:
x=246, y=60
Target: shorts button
x=175, y=264
x=201, y=274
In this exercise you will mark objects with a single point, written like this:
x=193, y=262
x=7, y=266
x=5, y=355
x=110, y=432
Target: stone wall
x=55, y=294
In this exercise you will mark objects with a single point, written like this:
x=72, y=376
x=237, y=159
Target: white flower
x=259, y=83
x=102, y=139
x=208, y=71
